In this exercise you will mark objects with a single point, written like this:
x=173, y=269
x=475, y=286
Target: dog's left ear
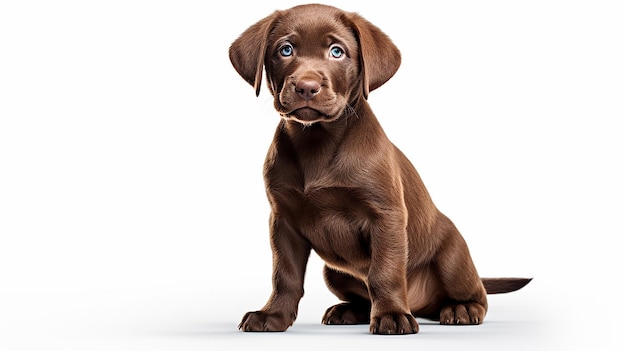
x=247, y=53
x=379, y=57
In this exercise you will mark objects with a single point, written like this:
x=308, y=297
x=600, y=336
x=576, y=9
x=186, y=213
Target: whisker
x=350, y=110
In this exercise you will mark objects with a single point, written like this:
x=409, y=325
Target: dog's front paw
x=463, y=313
x=347, y=314
x=259, y=321
x=393, y=324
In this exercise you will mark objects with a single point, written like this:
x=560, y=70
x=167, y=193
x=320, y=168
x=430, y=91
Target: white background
x=132, y=208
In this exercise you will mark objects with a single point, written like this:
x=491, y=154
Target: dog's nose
x=307, y=89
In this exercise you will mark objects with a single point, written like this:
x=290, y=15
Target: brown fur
x=337, y=185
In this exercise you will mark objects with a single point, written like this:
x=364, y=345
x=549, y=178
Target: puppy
x=337, y=185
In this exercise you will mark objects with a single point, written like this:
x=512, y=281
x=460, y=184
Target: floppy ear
x=247, y=53
x=379, y=57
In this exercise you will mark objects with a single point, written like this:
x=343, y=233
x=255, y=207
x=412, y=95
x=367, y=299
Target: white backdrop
x=132, y=208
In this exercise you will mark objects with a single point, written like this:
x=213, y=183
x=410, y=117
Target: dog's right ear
x=247, y=53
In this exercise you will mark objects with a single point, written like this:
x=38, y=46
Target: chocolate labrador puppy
x=337, y=185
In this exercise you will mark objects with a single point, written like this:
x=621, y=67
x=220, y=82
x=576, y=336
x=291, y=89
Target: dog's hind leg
x=466, y=298
x=356, y=306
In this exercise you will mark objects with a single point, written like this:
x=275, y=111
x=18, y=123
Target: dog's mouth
x=307, y=116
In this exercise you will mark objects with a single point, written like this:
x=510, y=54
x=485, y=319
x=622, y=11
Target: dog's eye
x=286, y=50
x=336, y=52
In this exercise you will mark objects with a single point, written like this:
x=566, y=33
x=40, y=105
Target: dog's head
x=318, y=60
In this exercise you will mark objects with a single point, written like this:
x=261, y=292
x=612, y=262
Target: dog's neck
x=325, y=137
x=318, y=138
x=314, y=149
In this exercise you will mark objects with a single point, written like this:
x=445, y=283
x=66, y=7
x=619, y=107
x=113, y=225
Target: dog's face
x=319, y=60
x=312, y=67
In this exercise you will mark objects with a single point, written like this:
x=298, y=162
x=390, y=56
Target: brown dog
x=337, y=185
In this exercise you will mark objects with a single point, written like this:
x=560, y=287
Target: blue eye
x=336, y=52
x=286, y=50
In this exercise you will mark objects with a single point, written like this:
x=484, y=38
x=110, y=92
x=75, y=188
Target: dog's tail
x=504, y=285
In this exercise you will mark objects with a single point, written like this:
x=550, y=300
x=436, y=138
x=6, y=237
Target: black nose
x=307, y=89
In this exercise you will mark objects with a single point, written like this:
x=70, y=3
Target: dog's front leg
x=290, y=255
x=387, y=282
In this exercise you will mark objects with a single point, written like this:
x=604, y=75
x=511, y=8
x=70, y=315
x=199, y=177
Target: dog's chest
x=335, y=220
x=339, y=226
x=316, y=193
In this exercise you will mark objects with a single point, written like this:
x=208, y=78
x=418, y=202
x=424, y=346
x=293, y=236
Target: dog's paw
x=463, y=313
x=394, y=324
x=260, y=321
x=347, y=313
